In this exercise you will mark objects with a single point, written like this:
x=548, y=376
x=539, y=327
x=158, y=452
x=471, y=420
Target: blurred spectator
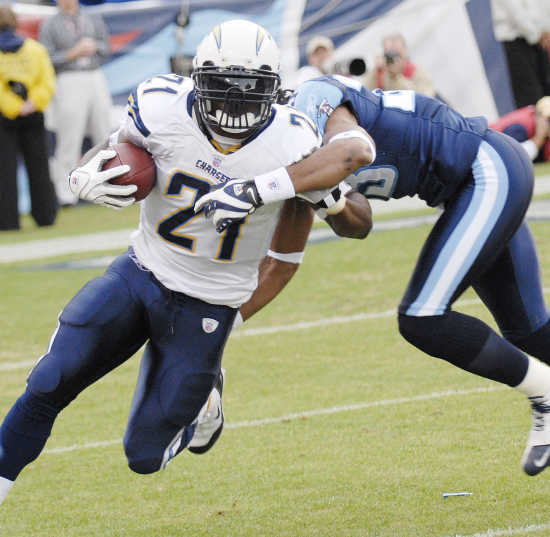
x=319, y=51
x=529, y=125
x=523, y=27
x=393, y=70
x=77, y=43
x=27, y=82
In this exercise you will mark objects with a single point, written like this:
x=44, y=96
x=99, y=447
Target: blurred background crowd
x=66, y=68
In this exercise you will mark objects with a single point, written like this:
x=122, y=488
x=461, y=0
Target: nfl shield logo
x=217, y=162
x=325, y=108
x=209, y=325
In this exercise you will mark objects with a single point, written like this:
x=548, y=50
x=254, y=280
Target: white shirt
x=183, y=250
x=307, y=72
x=520, y=18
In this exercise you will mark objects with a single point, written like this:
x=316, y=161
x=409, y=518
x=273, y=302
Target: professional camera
x=390, y=56
x=350, y=66
x=19, y=89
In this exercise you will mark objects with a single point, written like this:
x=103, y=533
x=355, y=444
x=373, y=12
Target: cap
x=543, y=106
x=319, y=41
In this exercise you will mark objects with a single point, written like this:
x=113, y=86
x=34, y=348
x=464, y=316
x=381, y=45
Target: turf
x=382, y=430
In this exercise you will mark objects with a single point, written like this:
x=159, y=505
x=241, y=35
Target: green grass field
x=338, y=428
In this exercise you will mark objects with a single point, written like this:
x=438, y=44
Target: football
x=142, y=172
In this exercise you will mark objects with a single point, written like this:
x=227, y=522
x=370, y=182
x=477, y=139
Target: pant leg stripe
x=469, y=236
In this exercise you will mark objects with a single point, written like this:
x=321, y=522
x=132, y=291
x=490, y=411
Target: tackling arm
x=355, y=220
x=335, y=160
x=348, y=147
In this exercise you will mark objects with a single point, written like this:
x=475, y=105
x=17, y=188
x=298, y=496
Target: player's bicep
x=341, y=120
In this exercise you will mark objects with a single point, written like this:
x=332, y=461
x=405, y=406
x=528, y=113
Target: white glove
x=90, y=183
x=229, y=203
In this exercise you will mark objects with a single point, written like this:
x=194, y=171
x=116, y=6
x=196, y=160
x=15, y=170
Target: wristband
x=238, y=321
x=293, y=257
x=275, y=186
x=356, y=134
x=338, y=207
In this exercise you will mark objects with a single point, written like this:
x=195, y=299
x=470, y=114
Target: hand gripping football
x=143, y=172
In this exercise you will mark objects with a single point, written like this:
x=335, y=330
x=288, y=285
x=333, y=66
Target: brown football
x=143, y=172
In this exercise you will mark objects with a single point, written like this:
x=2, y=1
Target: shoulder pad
x=149, y=105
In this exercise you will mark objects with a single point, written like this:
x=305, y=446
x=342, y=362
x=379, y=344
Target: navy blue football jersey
x=423, y=146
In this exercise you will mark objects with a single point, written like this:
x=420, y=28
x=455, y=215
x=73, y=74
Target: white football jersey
x=182, y=249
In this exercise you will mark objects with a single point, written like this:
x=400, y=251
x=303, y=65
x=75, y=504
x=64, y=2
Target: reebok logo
x=209, y=325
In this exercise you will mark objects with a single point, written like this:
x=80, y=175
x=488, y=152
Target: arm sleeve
x=10, y=103
x=46, y=37
x=42, y=90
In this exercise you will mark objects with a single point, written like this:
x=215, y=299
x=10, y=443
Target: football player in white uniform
x=178, y=288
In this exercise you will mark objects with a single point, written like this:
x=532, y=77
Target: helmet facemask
x=235, y=101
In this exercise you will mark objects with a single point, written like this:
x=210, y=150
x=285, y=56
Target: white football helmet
x=236, y=75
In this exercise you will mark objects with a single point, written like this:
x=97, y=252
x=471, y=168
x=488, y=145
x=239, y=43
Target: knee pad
x=453, y=336
x=150, y=450
x=141, y=451
x=144, y=466
x=35, y=416
x=420, y=332
x=52, y=379
x=45, y=377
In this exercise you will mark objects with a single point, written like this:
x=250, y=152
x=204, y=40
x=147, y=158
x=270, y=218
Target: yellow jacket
x=31, y=66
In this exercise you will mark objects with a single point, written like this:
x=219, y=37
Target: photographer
x=319, y=50
x=27, y=82
x=394, y=71
x=529, y=125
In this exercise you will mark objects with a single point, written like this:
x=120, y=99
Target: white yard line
x=120, y=239
x=305, y=325
x=309, y=414
x=93, y=242
x=506, y=532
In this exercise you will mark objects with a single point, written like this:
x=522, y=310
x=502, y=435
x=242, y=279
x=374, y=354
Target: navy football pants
x=108, y=320
x=481, y=240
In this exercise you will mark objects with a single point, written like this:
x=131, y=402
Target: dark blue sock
x=24, y=433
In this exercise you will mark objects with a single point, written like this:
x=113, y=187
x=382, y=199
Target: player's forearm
x=355, y=220
x=347, y=147
x=330, y=165
x=274, y=275
x=324, y=169
x=284, y=256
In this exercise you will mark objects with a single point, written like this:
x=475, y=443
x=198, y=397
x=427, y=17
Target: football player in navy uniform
x=169, y=292
x=483, y=180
